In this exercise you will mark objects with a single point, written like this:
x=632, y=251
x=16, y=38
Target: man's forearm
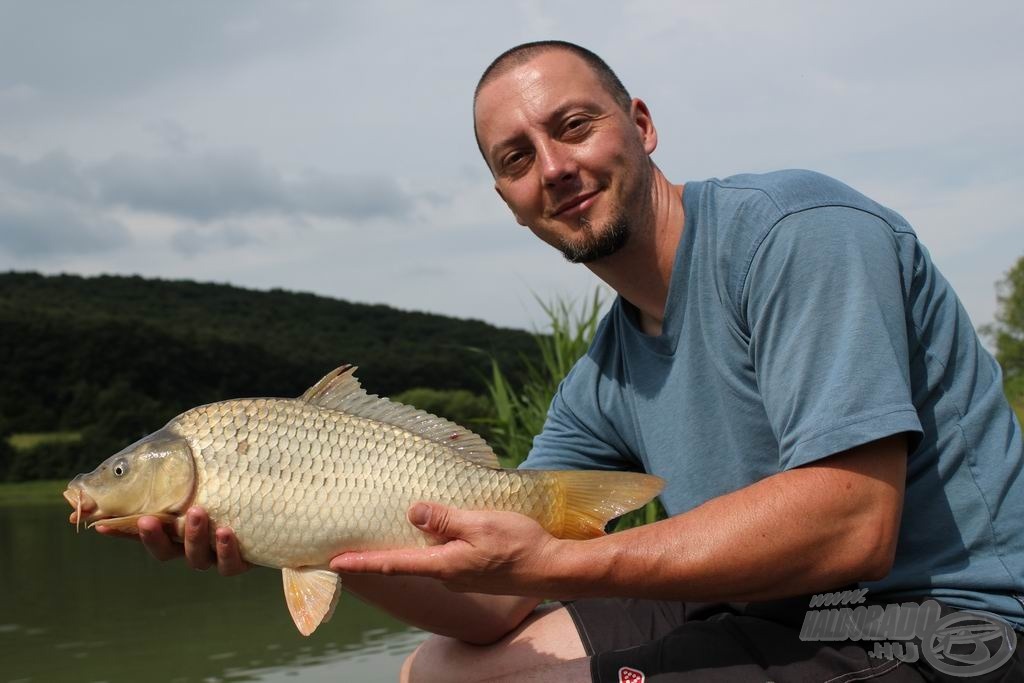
x=428, y=604
x=801, y=531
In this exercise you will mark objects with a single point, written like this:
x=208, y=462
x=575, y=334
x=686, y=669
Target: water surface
x=88, y=608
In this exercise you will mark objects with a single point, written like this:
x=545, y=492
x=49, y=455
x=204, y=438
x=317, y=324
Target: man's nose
x=557, y=164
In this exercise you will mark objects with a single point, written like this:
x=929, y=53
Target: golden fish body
x=298, y=483
x=302, y=480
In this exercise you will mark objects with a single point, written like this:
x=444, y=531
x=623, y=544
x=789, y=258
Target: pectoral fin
x=312, y=595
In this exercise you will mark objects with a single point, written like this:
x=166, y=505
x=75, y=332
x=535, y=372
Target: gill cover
x=153, y=476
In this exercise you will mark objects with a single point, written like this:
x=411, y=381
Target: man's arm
x=428, y=604
x=806, y=530
x=810, y=529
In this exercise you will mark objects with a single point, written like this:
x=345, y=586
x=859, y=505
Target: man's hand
x=201, y=550
x=502, y=553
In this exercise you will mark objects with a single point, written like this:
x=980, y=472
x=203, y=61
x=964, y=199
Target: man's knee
x=437, y=658
x=546, y=637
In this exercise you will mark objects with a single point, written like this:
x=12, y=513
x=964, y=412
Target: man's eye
x=513, y=161
x=576, y=126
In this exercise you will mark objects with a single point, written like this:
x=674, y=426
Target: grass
x=23, y=442
x=521, y=411
x=45, y=492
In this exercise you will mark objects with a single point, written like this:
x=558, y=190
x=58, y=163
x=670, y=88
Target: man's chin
x=592, y=247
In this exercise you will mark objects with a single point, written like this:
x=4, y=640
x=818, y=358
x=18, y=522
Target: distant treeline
x=114, y=358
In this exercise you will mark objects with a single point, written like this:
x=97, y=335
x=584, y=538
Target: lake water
x=88, y=608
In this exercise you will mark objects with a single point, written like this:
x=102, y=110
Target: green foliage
x=1007, y=332
x=7, y=456
x=61, y=458
x=117, y=357
x=22, y=442
x=42, y=455
x=521, y=408
x=458, y=405
x=32, y=492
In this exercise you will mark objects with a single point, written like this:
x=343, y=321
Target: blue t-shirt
x=804, y=319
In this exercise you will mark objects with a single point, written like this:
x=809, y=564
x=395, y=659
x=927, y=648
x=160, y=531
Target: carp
x=336, y=469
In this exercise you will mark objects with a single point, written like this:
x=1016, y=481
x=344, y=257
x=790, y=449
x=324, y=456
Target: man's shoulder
x=789, y=191
x=735, y=215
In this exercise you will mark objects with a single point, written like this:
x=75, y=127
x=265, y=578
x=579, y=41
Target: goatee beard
x=593, y=245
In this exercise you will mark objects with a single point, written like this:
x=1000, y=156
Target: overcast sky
x=327, y=146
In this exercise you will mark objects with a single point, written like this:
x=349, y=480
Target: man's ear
x=640, y=115
x=514, y=214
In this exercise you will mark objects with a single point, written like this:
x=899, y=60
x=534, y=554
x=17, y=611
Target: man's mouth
x=576, y=205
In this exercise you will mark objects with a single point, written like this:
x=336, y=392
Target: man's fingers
x=418, y=561
x=197, y=539
x=197, y=542
x=156, y=540
x=439, y=520
x=229, y=558
x=104, y=530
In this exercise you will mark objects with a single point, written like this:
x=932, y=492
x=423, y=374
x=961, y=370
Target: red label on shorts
x=628, y=675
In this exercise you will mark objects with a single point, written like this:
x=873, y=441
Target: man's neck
x=640, y=272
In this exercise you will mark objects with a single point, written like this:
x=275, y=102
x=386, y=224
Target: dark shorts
x=735, y=643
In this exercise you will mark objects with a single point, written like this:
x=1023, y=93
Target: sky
x=327, y=146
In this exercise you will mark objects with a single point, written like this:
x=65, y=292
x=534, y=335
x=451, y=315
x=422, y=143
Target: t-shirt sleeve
x=824, y=305
x=577, y=433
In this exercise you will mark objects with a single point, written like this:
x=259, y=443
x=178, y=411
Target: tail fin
x=590, y=499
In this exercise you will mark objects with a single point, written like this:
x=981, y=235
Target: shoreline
x=38, y=492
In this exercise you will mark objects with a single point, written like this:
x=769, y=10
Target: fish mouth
x=83, y=503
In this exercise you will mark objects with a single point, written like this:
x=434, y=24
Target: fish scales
x=294, y=499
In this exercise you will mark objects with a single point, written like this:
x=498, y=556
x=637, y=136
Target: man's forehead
x=537, y=87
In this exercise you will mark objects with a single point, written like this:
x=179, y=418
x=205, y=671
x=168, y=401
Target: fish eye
x=120, y=468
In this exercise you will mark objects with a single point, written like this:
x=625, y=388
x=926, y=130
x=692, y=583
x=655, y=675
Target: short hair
x=521, y=54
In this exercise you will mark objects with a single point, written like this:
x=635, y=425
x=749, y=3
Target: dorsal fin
x=340, y=390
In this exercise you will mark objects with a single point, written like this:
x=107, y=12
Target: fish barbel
x=302, y=480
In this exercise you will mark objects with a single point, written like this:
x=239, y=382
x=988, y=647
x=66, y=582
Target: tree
x=7, y=456
x=1007, y=332
x=461, y=406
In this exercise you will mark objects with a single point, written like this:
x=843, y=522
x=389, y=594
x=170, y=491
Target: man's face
x=569, y=162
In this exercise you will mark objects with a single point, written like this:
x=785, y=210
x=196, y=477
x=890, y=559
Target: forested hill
x=115, y=357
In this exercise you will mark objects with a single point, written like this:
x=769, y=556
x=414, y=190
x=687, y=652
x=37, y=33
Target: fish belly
x=298, y=484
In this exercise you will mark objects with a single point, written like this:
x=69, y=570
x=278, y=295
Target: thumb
x=435, y=519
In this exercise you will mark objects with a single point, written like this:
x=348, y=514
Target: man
x=783, y=352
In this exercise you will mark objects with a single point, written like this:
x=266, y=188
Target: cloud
x=17, y=94
x=200, y=188
x=191, y=241
x=204, y=187
x=57, y=205
x=35, y=229
x=225, y=184
x=350, y=196
x=54, y=175
x=69, y=49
